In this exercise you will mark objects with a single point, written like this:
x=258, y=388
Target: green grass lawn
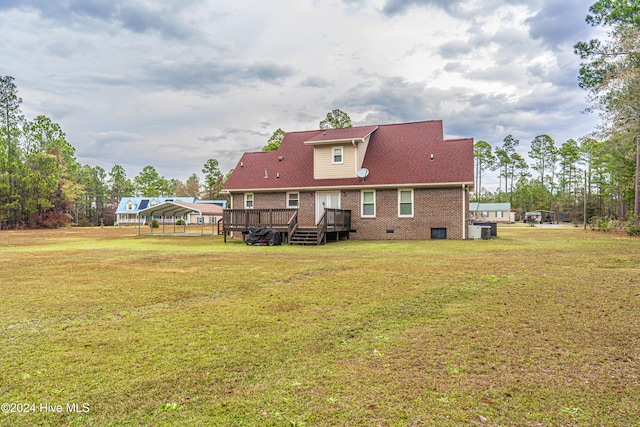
x=102, y=327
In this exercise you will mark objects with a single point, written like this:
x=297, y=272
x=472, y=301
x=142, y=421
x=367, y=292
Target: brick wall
x=237, y=200
x=261, y=200
x=270, y=200
x=433, y=208
x=307, y=210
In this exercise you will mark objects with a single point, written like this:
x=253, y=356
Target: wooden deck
x=334, y=223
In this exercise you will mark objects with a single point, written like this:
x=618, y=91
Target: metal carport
x=181, y=209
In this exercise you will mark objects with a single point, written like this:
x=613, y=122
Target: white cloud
x=174, y=83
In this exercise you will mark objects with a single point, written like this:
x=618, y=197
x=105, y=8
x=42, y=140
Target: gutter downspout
x=355, y=147
x=464, y=220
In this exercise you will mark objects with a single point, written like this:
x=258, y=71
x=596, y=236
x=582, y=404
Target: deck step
x=305, y=236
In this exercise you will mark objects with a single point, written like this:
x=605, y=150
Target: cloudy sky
x=172, y=83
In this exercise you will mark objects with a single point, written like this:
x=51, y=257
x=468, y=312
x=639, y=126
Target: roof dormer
x=339, y=153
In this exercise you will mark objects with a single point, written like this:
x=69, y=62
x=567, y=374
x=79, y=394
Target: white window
x=248, y=201
x=154, y=202
x=405, y=203
x=337, y=157
x=485, y=214
x=130, y=206
x=293, y=200
x=499, y=214
x=368, y=199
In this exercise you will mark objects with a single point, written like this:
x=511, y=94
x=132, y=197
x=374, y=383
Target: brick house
x=393, y=181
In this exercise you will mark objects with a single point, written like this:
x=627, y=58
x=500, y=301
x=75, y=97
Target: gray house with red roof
x=393, y=181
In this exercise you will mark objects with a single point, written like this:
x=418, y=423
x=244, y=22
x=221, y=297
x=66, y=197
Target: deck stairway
x=305, y=236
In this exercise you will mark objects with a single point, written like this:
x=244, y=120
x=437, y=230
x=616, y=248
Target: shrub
x=180, y=222
x=84, y=223
x=601, y=223
x=154, y=223
x=632, y=226
x=604, y=224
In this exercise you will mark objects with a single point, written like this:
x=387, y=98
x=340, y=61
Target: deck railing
x=338, y=219
x=333, y=220
x=242, y=219
x=293, y=226
x=285, y=220
x=322, y=229
x=268, y=218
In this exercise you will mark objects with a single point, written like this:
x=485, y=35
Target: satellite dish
x=362, y=173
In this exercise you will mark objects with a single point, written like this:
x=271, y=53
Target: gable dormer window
x=130, y=206
x=337, y=156
x=154, y=202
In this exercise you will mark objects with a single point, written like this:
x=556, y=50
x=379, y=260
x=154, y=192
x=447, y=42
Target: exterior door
x=326, y=199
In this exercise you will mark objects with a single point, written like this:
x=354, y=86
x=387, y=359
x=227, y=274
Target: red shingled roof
x=397, y=154
x=344, y=134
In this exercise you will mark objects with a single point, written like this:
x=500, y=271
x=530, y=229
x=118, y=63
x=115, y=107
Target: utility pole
x=584, y=209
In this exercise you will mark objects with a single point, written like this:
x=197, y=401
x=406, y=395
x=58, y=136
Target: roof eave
x=352, y=187
x=341, y=140
x=334, y=141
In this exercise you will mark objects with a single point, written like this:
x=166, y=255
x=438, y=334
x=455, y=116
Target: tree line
x=600, y=171
x=610, y=72
x=43, y=185
x=559, y=176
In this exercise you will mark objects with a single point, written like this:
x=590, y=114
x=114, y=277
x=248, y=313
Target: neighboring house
x=196, y=218
x=494, y=212
x=128, y=208
x=394, y=181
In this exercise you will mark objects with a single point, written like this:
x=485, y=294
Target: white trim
x=326, y=195
x=346, y=187
x=298, y=200
x=333, y=155
x=253, y=201
x=362, y=215
x=413, y=207
x=333, y=141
